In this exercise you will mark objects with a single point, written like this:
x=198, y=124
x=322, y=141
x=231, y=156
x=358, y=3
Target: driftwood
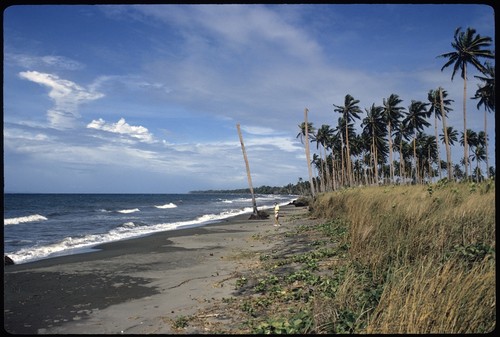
x=261, y=215
x=7, y=261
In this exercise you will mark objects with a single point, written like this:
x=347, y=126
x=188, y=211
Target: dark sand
x=137, y=286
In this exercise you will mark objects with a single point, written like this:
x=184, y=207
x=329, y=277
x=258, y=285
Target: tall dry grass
x=433, y=249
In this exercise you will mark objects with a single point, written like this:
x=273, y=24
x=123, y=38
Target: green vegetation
x=398, y=259
x=299, y=188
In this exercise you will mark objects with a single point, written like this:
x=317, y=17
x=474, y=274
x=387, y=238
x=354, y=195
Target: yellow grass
x=432, y=246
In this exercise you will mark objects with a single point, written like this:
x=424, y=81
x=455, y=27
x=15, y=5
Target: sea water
x=39, y=226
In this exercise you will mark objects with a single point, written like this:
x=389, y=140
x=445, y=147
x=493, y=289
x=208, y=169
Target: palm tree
x=349, y=111
x=479, y=153
x=471, y=137
x=374, y=128
x=302, y=133
x=323, y=134
x=447, y=142
x=449, y=137
x=335, y=144
x=416, y=121
x=427, y=153
x=457, y=172
x=452, y=135
x=486, y=95
x=356, y=147
x=468, y=48
x=440, y=108
x=392, y=114
x=339, y=130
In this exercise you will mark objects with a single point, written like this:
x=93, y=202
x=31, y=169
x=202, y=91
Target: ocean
x=40, y=226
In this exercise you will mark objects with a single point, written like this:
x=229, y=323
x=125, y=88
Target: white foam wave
x=71, y=245
x=23, y=219
x=127, y=211
x=170, y=205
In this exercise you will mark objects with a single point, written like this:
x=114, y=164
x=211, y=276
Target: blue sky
x=146, y=98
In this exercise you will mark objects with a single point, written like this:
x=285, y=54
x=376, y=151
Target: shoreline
x=136, y=285
x=85, y=245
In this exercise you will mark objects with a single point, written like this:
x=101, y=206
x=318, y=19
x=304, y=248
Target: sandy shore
x=138, y=286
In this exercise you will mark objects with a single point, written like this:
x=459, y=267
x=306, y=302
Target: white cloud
x=30, y=61
x=122, y=127
x=66, y=95
x=258, y=130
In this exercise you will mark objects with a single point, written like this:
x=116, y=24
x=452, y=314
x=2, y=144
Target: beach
x=142, y=285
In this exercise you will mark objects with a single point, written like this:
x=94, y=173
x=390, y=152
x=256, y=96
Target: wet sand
x=137, y=286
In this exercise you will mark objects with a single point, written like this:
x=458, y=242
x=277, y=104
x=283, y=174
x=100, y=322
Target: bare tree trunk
x=308, y=154
x=254, y=203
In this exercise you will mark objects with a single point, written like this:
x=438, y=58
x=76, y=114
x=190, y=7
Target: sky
x=146, y=98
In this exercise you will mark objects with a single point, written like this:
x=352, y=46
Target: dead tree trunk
x=254, y=203
x=308, y=156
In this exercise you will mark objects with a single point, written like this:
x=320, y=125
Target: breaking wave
x=23, y=219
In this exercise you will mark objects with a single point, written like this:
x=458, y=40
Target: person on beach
x=276, y=214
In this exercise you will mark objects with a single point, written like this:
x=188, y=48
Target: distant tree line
x=300, y=188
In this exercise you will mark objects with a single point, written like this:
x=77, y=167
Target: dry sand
x=138, y=286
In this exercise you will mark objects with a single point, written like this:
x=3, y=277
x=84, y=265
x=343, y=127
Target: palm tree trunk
x=391, y=164
x=254, y=203
x=334, y=178
x=325, y=169
x=466, y=157
x=429, y=164
x=348, y=155
x=437, y=144
x=446, y=141
x=375, y=161
x=401, y=162
x=322, y=187
x=308, y=155
x=486, y=147
x=342, y=164
x=415, y=156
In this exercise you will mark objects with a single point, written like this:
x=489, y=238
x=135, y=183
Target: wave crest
x=22, y=219
x=126, y=211
x=169, y=205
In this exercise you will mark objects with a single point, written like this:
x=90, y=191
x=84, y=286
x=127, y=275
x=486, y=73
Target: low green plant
x=181, y=322
x=300, y=323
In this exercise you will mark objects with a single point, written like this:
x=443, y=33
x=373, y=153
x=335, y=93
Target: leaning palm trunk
x=254, y=203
